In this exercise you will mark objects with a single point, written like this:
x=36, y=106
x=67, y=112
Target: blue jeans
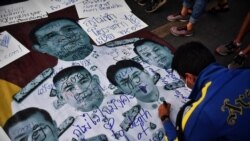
x=198, y=8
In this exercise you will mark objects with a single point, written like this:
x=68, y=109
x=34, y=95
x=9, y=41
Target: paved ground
x=211, y=30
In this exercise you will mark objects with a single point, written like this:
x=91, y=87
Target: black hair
x=68, y=71
x=24, y=115
x=141, y=42
x=34, y=30
x=113, y=69
x=192, y=57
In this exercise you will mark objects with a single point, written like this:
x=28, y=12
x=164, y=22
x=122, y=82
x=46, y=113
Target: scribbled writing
x=4, y=42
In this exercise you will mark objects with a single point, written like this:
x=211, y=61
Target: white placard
x=106, y=27
x=56, y=5
x=88, y=8
x=10, y=49
x=20, y=12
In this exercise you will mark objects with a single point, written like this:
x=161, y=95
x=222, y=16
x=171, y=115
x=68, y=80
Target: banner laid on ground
x=67, y=88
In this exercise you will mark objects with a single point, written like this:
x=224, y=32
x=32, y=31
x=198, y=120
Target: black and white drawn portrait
x=31, y=124
x=153, y=53
x=79, y=88
x=131, y=78
x=63, y=39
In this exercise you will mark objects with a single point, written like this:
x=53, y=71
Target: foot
x=237, y=62
x=221, y=7
x=155, y=5
x=227, y=49
x=181, y=31
x=178, y=17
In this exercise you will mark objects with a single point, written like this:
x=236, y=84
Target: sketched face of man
x=35, y=128
x=81, y=91
x=138, y=83
x=63, y=39
x=155, y=54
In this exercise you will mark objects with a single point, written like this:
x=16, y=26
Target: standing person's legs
x=243, y=29
x=234, y=45
x=197, y=11
x=183, y=14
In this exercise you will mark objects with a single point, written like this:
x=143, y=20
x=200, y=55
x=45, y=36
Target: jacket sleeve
x=169, y=130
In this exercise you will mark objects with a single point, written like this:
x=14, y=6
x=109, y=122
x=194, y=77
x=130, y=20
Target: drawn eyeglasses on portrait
x=38, y=133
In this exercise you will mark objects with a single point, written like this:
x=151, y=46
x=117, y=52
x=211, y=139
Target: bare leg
x=243, y=29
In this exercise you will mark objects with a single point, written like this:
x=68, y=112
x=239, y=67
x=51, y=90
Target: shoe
x=155, y=5
x=227, y=49
x=177, y=17
x=221, y=7
x=142, y=2
x=237, y=62
x=181, y=31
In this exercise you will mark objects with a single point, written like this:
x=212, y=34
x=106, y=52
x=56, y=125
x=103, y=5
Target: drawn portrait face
x=35, y=128
x=81, y=90
x=138, y=83
x=155, y=54
x=63, y=39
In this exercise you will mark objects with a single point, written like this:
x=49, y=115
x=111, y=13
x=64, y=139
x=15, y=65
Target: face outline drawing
x=81, y=90
x=34, y=128
x=63, y=39
x=154, y=54
x=138, y=83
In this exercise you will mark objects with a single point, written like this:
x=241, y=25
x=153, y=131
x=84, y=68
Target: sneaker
x=155, y=5
x=178, y=17
x=227, y=49
x=142, y=2
x=181, y=31
x=237, y=62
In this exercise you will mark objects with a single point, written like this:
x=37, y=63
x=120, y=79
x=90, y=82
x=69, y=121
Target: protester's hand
x=164, y=110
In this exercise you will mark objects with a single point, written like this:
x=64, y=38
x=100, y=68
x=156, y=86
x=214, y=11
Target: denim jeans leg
x=187, y=3
x=198, y=9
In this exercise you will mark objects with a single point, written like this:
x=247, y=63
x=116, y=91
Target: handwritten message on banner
x=10, y=49
x=110, y=26
x=20, y=12
x=55, y=5
x=88, y=8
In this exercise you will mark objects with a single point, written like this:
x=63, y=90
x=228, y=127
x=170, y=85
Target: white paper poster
x=106, y=27
x=88, y=8
x=56, y=5
x=10, y=49
x=20, y=12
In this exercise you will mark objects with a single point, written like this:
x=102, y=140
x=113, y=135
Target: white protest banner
x=106, y=27
x=10, y=49
x=56, y=5
x=88, y=8
x=20, y=12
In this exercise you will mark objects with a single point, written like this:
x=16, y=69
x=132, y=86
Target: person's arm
x=164, y=111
